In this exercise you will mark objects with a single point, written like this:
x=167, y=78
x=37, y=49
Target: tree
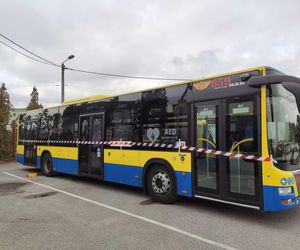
x=5, y=106
x=5, y=109
x=34, y=102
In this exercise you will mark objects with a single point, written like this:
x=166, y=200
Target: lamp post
x=63, y=67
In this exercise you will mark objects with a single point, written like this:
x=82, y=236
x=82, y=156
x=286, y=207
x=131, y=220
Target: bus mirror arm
x=257, y=82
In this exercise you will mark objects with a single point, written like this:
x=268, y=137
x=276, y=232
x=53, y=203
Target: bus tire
x=47, y=165
x=161, y=184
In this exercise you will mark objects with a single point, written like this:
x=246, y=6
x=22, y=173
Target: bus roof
x=101, y=97
x=85, y=99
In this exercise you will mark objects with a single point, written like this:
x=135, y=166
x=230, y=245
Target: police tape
x=235, y=155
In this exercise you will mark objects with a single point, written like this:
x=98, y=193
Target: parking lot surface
x=66, y=212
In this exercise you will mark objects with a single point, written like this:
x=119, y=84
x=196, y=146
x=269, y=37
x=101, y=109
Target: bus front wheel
x=161, y=184
x=47, y=165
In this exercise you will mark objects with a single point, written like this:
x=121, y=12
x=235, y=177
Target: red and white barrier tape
x=158, y=145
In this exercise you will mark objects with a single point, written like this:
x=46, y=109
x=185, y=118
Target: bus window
x=27, y=129
x=34, y=130
x=283, y=127
x=241, y=138
x=165, y=115
x=97, y=127
x=124, y=118
x=85, y=129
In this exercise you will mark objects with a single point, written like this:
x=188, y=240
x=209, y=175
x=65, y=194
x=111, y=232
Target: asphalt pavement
x=66, y=212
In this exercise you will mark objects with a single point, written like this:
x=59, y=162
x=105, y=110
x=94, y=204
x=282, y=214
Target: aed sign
x=167, y=135
x=170, y=131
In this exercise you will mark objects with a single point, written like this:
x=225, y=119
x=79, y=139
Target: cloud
x=175, y=38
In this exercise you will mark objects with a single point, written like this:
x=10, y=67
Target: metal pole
x=62, y=82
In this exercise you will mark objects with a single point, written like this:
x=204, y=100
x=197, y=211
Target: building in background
x=13, y=116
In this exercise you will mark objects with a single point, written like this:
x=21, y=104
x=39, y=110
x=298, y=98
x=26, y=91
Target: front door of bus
x=230, y=126
x=91, y=154
x=243, y=176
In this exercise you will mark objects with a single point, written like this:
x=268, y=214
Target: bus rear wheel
x=47, y=165
x=161, y=184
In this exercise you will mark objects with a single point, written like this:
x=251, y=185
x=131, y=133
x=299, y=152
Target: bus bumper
x=275, y=202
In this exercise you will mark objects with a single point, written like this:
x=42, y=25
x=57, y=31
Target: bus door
x=91, y=155
x=242, y=184
x=207, y=165
x=230, y=126
x=30, y=148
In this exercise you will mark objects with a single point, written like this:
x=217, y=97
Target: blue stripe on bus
x=61, y=165
x=272, y=199
x=184, y=183
x=38, y=162
x=66, y=166
x=130, y=175
x=20, y=158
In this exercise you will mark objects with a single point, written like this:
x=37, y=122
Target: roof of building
x=15, y=113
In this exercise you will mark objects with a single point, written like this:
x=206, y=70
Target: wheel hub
x=161, y=182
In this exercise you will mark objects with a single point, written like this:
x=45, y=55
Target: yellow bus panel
x=179, y=161
x=20, y=149
x=122, y=157
x=59, y=152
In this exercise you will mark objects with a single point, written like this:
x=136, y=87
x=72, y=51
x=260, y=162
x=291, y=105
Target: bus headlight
x=285, y=190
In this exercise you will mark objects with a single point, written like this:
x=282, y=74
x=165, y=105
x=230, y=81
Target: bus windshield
x=283, y=127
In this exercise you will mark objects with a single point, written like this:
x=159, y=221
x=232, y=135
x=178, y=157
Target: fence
x=8, y=142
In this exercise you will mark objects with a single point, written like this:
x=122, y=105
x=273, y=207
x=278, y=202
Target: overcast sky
x=158, y=38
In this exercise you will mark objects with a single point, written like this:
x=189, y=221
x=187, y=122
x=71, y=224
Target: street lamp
x=63, y=78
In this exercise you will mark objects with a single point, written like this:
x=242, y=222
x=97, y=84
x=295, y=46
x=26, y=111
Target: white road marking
x=171, y=228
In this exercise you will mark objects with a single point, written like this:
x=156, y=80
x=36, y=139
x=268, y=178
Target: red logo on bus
x=222, y=82
x=218, y=83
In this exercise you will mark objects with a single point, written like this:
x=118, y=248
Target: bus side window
x=85, y=129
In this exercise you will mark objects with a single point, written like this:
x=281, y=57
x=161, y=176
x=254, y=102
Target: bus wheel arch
x=160, y=171
x=47, y=164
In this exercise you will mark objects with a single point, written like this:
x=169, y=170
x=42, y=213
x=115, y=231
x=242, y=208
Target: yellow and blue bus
x=232, y=138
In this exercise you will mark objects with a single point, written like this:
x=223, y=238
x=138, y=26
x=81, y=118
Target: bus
x=232, y=138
